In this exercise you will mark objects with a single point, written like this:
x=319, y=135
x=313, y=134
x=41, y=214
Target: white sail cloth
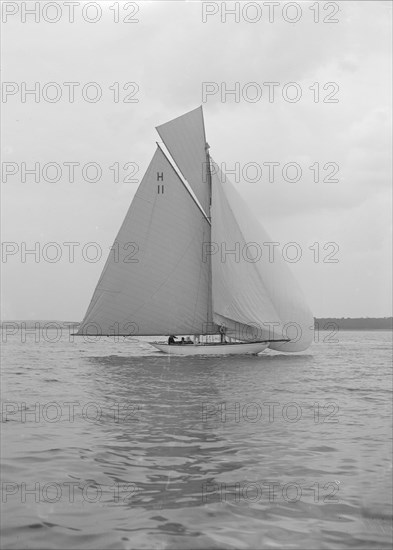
x=252, y=296
x=157, y=283
x=185, y=139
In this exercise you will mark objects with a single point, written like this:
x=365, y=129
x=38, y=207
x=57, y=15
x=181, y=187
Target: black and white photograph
x=196, y=275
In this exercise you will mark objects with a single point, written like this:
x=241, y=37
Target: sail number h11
x=160, y=177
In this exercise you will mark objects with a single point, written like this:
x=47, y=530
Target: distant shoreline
x=321, y=323
x=354, y=323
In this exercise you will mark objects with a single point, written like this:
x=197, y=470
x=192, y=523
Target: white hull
x=212, y=349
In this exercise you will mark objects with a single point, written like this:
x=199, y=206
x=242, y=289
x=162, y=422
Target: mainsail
x=154, y=281
x=253, y=296
x=185, y=139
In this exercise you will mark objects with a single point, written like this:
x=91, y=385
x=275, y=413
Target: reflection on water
x=122, y=447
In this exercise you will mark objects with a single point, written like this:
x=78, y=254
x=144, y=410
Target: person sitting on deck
x=171, y=340
x=182, y=340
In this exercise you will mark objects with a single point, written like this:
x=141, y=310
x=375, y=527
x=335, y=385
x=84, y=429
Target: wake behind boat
x=187, y=261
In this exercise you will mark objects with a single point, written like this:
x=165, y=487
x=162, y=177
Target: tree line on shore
x=354, y=323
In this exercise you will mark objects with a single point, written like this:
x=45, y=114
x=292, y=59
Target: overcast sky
x=169, y=53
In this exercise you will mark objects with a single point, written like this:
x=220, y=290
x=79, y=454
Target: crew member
x=222, y=334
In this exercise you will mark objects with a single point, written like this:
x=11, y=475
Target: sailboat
x=189, y=265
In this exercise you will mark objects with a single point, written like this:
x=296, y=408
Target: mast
x=210, y=284
x=209, y=213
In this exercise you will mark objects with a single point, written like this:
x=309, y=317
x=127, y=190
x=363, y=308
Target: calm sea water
x=113, y=445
